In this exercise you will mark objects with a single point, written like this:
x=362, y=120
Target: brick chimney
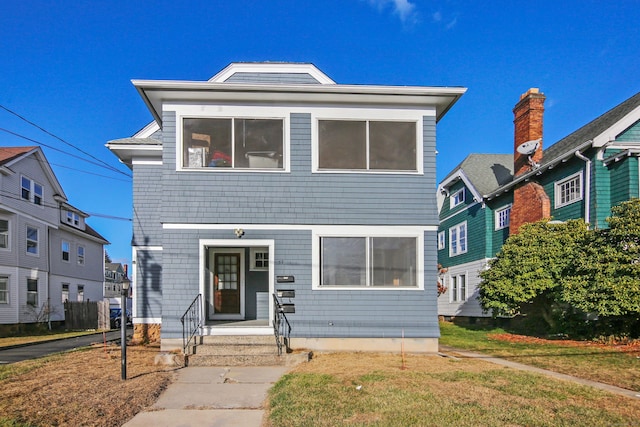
x=530, y=202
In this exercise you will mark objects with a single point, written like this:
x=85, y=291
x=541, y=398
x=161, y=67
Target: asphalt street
x=34, y=351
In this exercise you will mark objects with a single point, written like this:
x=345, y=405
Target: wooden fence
x=86, y=315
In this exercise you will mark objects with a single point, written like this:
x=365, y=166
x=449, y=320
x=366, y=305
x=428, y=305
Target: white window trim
x=368, y=115
x=8, y=248
x=442, y=240
x=81, y=258
x=32, y=192
x=458, y=297
x=231, y=112
x=452, y=198
x=451, y=240
x=7, y=290
x=252, y=265
x=364, y=231
x=557, y=188
x=62, y=243
x=497, y=217
x=37, y=253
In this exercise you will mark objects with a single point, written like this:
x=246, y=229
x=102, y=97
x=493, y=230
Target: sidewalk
x=450, y=351
x=212, y=396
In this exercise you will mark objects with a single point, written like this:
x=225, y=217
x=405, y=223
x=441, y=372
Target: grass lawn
x=373, y=390
x=617, y=365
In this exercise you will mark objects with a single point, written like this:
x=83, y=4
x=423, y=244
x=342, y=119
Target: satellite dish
x=529, y=147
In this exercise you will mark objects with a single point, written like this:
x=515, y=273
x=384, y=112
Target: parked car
x=116, y=317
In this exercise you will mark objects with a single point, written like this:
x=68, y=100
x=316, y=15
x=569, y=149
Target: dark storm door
x=227, y=283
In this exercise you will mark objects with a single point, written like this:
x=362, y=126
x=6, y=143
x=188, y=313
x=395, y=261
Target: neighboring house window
x=457, y=198
x=4, y=234
x=65, y=292
x=65, y=251
x=368, y=261
x=367, y=145
x=80, y=293
x=4, y=290
x=32, y=292
x=458, y=239
x=81, y=255
x=32, y=191
x=569, y=190
x=233, y=143
x=458, y=288
x=32, y=240
x=441, y=240
x=260, y=259
x=503, y=216
x=73, y=218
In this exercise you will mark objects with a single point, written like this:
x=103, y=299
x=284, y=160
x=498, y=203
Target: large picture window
x=368, y=261
x=233, y=143
x=367, y=145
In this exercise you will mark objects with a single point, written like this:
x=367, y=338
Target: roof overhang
x=129, y=150
x=459, y=175
x=155, y=93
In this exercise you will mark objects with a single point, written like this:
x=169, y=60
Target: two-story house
x=270, y=170
x=48, y=253
x=489, y=196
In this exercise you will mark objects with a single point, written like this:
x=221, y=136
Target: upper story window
x=457, y=198
x=73, y=218
x=65, y=251
x=568, y=190
x=441, y=240
x=32, y=191
x=458, y=239
x=80, y=255
x=362, y=145
x=233, y=143
x=4, y=234
x=32, y=240
x=503, y=217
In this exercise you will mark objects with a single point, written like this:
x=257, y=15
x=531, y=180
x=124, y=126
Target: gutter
x=537, y=171
x=587, y=187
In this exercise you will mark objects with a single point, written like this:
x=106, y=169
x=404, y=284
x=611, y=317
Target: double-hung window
x=457, y=198
x=458, y=288
x=65, y=251
x=232, y=143
x=503, y=217
x=32, y=240
x=31, y=191
x=65, y=292
x=4, y=234
x=458, y=239
x=32, y=292
x=373, y=145
x=80, y=255
x=568, y=190
x=359, y=262
x=442, y=243
x=4, y=289
x=73, y=218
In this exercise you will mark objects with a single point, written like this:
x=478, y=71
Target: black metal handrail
x=281, y=326
x=191, y=325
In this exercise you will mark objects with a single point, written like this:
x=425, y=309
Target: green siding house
x=488, y=196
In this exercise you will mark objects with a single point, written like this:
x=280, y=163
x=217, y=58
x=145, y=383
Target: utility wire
x=108, y=166
x=63, y=152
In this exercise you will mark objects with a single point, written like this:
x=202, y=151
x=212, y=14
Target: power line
x=60, y=139
x=63, y=152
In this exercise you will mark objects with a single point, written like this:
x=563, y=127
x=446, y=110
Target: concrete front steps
x=241, y=350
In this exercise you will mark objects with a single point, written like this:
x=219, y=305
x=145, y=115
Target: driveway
x=34, y=351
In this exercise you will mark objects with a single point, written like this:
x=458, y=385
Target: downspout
x=587, y=187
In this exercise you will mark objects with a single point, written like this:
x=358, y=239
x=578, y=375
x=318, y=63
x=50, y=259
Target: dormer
x=72, y=217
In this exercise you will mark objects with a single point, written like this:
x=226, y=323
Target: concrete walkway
x=449, y=351
x=212, y=396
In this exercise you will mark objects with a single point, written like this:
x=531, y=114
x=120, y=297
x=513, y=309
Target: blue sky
x=66, y=66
